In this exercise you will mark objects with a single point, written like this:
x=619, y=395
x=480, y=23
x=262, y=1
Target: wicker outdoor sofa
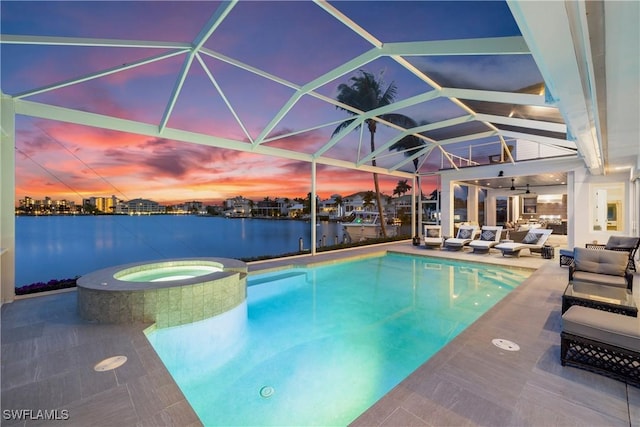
x=601, y=266
x=601, y=342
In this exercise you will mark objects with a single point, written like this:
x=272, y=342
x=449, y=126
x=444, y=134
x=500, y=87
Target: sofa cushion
x=600, y=261
x=621, y=242
x=602, y=279
x=603, y=326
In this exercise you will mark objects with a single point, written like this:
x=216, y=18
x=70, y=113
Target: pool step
x=271, y=286
x=275, y=278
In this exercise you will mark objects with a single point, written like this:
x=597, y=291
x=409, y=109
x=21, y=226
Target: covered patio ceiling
x=262, y=77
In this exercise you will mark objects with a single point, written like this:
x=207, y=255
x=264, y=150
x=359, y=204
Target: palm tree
x=366, y=93
x=401, y=188
x=411, y=145
x=338, y=200
x=368, y=200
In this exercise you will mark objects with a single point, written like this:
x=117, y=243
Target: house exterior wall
x=583, y=201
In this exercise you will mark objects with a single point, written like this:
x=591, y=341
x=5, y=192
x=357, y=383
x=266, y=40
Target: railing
x=457, y=160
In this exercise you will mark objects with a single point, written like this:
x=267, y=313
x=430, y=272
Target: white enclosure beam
x=485, y=46
x=494, y=96
x=89, y=42
x=7, y=200
x=524, y=123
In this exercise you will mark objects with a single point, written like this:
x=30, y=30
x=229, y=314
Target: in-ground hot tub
x=167, y=293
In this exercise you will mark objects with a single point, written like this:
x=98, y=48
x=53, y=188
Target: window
x=607, y=207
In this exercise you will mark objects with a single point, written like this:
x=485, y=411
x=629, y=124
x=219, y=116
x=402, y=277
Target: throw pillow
x=531, y=239
x=488, y=235
x=433, y=232
x=464, y=233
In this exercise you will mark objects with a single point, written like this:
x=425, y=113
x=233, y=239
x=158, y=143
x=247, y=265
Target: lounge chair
x=433, y=236
x=489, y=237
x=622, y=244
x=466, y=233
x=603, y=267
x=602, y=342
x=535, y=239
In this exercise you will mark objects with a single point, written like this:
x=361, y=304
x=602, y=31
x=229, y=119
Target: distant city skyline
x=21, y=198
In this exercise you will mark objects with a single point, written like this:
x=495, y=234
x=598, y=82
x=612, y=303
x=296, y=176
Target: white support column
x=446, y=206
x=472, y=203
x=416, y=227
x=7, y=201
x=490, y=206
x=312, y=205
x=516, y=209
x=635, y=207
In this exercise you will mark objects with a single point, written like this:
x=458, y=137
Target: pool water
x=318, y=346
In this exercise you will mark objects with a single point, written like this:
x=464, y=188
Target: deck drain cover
x=110, y=363
x=505, y=344
x=267, y=391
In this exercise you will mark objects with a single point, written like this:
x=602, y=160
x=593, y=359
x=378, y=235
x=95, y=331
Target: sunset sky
x=294, y=41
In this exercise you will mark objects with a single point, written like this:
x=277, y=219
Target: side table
x=601, y=297
x=566, y=257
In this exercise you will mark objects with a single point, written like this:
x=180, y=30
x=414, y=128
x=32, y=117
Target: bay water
x=60, y=247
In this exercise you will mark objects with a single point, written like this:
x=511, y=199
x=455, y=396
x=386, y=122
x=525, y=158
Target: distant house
x=330, y=207
x=355, y=202
x=267, y=208
x=296, y=210
x=237, y=207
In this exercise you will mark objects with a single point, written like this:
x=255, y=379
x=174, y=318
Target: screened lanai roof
x=478, y=78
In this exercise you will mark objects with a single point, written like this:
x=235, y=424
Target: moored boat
x=363, y=225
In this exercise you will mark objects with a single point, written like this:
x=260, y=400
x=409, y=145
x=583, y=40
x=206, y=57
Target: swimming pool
x=319, y=345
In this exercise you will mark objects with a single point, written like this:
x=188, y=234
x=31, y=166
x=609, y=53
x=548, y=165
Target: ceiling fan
x=513, y=188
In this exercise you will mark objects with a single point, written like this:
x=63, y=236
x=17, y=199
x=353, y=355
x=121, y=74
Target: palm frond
x=342, y=126
x=400, y=120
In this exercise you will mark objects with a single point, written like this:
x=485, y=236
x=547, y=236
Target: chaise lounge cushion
x=603, y=326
